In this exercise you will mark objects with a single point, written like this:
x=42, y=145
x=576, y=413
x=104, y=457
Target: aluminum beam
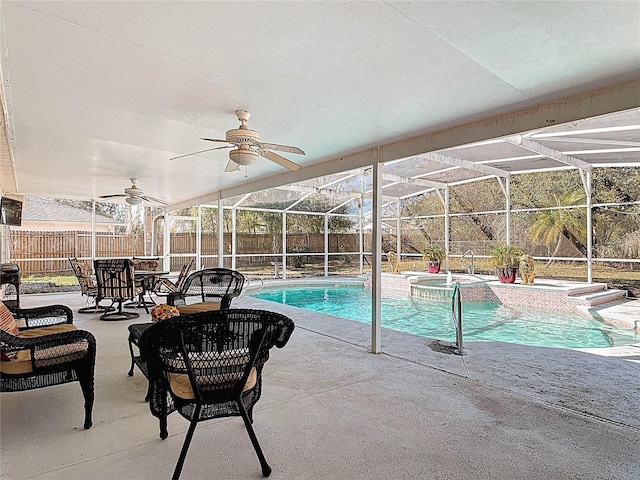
x=459, y=162
x=536, y=147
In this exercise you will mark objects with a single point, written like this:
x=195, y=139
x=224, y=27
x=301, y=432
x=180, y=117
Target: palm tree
x=554, y=226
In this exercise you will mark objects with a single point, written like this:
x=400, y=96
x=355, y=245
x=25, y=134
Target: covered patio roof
x=97, y=92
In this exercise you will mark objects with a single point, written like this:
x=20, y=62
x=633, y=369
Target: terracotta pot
x=433, y=266
x=504, y=278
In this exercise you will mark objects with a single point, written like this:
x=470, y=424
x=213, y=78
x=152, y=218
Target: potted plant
x=505, y=259
x=433, y=255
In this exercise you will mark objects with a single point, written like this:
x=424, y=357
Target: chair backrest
x=214, y=285
x=82, y=271
x=184, y=273
x=211, y=357
x=114, y=278
x=146, y=263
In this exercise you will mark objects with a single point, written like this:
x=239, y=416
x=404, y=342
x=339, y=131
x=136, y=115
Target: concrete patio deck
x=332, y=410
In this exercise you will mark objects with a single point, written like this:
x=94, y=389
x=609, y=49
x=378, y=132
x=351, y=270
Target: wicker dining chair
x=116, y=283
x=164, y=286
x=209, y=365
x=82, y=271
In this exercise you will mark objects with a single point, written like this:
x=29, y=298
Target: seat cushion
x=198, y=307
x=181, y=386
x=22, y=364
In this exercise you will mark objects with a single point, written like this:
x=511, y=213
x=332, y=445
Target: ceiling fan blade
x=232, y=166
x=113, y=196
x=154, y=200
x=283, y=162
x=214, y=140
x=281, y=148
x=200, y=151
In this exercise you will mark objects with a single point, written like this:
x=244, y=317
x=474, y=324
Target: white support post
x=284, y=245
x=507, y=195
x=326, y=245
x=361, y=237
x=166, y=242
x=199, y=233
x=376, y=296
x=220, y=233
x=398, y=232
x=586, y=182
x=234, y=239
x=506, y=191
x=447, y=229
x=93, y=231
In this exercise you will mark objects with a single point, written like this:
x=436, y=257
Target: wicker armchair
x=218, y=285
x=116, y=283
x=49, y=350
x=209, y=365
x=214, y=287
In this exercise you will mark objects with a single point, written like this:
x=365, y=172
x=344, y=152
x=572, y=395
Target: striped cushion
x=7, y=322
x=9, y=325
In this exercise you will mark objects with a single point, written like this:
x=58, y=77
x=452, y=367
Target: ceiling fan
x=248, y=147
x=135, y=196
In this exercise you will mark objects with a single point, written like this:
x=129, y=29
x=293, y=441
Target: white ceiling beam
x=556, y=155
x=458, y=162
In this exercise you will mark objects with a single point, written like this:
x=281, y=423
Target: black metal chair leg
x=130, y=372
x=185, y=445
x=266, y=469
x=164, y=433
x=85, y=378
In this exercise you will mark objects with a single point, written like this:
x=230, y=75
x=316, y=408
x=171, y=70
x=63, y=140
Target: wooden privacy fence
x=39, y=252
x=48, y=252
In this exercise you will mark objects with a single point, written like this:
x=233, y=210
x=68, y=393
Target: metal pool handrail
x=472, y=269
x=456, y=316
x=248, y=288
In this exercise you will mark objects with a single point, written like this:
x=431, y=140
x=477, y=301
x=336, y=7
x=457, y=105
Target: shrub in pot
x=505, y=259
x=433, y=255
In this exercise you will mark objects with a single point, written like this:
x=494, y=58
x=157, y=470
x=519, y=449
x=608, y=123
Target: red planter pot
x=504, y=278
x=433, y=267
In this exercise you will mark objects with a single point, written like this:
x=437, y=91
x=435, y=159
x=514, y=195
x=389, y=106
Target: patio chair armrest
x=43, y=316
x=46, y=347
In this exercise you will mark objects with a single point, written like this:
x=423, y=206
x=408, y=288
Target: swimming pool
x=482, y=321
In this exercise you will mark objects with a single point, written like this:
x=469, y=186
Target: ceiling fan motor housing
x=241, y=136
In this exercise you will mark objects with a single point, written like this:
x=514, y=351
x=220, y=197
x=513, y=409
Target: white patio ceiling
x=97, y=92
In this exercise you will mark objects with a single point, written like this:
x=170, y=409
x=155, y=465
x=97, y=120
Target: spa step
x=598, y=298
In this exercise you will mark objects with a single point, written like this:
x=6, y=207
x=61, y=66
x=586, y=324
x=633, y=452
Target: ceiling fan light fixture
x=133, y=200
x=243, y=157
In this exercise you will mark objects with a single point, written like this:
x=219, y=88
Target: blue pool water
x=482, y=321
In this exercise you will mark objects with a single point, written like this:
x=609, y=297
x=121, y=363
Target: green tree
x=556, y=225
